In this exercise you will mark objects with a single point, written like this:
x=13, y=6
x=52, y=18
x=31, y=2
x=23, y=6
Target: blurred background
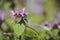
x=42, y=9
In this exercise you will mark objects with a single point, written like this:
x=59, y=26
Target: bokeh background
x=46, y=9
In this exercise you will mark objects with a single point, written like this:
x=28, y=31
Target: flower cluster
x=19, y=13
x=51, y=26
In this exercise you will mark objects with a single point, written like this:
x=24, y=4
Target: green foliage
x=35, y=18
x=17, y=28
x=31, y=33
x=55, y=31
x=7, y=5
x=1, y=35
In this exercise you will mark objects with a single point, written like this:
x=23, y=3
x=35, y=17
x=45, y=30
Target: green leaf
x=1, y=35
x=55, y=31
x=35, y=18
x=7, y=5
x=17, y=28
x=31, y=33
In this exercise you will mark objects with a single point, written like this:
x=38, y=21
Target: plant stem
x=32, y=29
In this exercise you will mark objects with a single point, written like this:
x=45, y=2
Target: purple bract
x=19, y=13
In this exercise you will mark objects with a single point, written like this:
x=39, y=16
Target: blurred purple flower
x=49, y=25
x=59, y=26
x=19, y=13
x=1, y=16
x=45, y=23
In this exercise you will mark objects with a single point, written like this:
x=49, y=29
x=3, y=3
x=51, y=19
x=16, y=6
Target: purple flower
x=1, y=16
x=19, y=13
x=49, y=25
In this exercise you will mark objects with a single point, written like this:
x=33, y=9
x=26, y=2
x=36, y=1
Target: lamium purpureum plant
x=20, y=14
x=23, y=18
x=47, y=24
x=51, y=25
x=54, y=29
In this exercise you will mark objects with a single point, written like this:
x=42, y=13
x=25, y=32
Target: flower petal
x=13, y=13
x=58, y=26
x=22, y=14
x=23, y=10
